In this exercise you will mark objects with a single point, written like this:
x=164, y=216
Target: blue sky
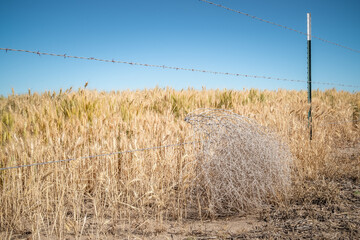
x=179, y=33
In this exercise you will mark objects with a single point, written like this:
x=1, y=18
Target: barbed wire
x=138, y=150
x=279, y=25
x=100, y=155
x=357, y=121
x=318, y=122
x=150, y=65
x=175, y=68
x=335, y=84
x=336, y=44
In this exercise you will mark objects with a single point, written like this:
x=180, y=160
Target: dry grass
x=240, y=165
x=96, y=196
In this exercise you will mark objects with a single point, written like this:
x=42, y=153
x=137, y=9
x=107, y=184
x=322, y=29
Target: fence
x=184, y=69
x=279, y=25
x=100, y=155
x=143, y=149
x=175, y=68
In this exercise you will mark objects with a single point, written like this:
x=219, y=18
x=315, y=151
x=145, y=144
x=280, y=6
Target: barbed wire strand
x=132, y=151
x=176, y=68
x=315, y=121
x=279, y=25
x=357, y=121
x=100, y=155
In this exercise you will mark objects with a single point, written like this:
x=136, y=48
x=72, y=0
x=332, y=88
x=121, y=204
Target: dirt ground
x=319, y=219
x=332, y=217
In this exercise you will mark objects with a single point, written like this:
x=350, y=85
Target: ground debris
x=340, y=220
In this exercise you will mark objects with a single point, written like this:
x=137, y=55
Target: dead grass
x=95, y=196
x=239, y=165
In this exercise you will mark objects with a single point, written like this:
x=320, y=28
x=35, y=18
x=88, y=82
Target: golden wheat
x=92, y=195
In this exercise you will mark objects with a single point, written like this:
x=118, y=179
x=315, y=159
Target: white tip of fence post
x=309, y=26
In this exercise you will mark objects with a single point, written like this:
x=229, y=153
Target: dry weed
x=240, y=165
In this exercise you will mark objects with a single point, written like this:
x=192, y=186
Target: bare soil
x=321, y=218
x=318, y=219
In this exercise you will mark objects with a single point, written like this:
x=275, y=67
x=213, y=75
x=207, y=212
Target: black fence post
x=309, y=70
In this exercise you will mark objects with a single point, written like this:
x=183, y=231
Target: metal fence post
x=309, y=70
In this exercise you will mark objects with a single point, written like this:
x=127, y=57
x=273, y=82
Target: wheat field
x=94, y=196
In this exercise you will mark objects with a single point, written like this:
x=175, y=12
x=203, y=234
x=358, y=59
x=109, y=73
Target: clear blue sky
x=180, y=33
